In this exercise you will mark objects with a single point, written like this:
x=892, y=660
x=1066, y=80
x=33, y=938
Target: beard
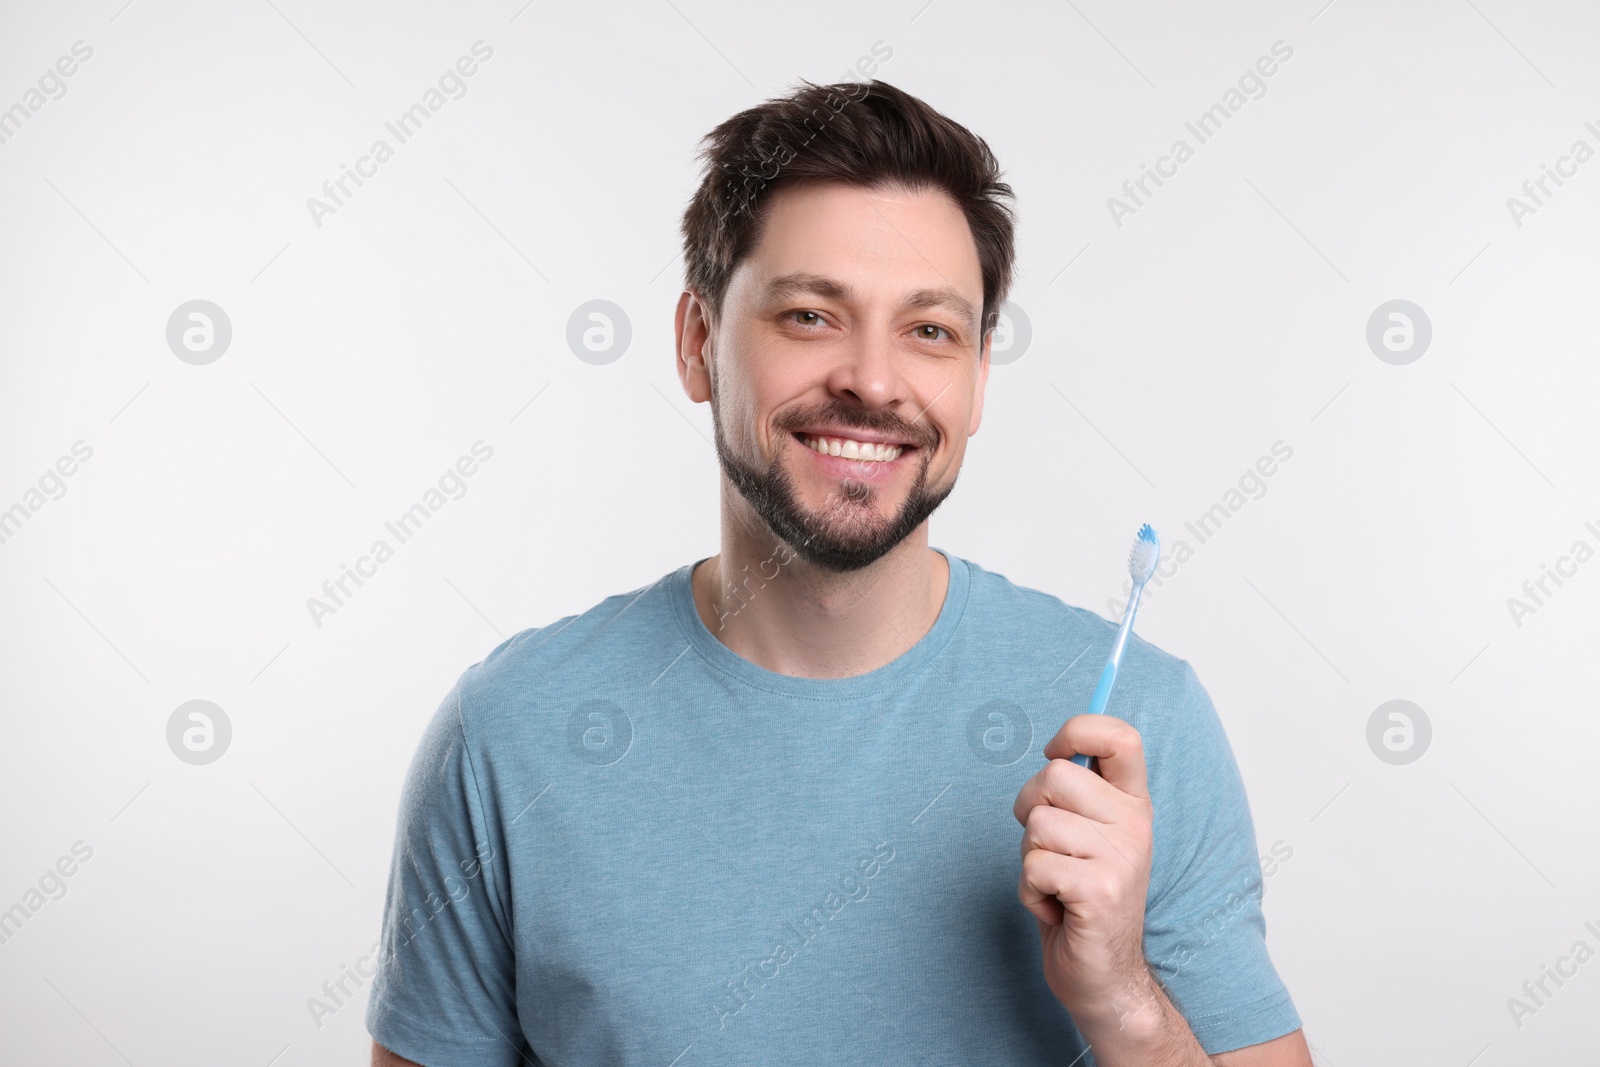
x=847, y=534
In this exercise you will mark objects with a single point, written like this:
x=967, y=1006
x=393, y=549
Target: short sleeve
x=445, y=991
x=1205, y=936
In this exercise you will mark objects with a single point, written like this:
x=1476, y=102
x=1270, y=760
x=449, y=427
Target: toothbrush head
x=1144, y=555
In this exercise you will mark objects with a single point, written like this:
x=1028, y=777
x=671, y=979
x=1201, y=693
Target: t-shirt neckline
x=721, y=657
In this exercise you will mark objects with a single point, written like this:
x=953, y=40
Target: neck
x=770, y=606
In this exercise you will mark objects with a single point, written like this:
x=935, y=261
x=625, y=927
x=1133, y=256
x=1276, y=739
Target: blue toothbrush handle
x=1097, y=703
x=1102, y=691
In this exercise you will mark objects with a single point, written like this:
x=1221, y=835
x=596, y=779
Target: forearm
x=1139, y=1027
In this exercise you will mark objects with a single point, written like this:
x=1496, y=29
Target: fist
x=1086, y=844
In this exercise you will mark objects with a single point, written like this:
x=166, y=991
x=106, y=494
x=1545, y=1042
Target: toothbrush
x=1142, y=560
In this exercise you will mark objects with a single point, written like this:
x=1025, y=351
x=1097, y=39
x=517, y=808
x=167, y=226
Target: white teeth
x=851, y=449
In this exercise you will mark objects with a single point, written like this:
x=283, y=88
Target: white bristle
x=1142, y=560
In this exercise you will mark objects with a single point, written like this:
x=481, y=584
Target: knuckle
x=1033, y=867
x=1057, y=773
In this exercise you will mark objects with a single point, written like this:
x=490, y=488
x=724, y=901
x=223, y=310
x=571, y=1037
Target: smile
x=850, y=448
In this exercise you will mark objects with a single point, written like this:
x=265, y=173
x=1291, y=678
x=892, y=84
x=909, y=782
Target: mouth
x=860, y=449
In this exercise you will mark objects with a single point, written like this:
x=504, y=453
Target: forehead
x=883, y=241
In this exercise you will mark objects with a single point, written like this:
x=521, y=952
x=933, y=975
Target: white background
x=1167, y=355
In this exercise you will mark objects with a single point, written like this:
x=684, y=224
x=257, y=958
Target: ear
x=983, y=380
x=693, y=326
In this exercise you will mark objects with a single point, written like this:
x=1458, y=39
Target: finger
x=1065, y=833
x=1063, y=784
x=1115, y=743
x=1074, y=882
x=1047, y=879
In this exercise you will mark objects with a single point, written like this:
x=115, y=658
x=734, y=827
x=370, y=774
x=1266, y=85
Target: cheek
x=751, y=391
x=739, y=403
x=953, y=424
x=955, y=397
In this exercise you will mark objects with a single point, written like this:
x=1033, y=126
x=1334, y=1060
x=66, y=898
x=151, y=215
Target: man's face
x=852, y=327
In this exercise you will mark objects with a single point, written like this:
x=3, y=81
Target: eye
x=815, y=318
x=931, y=326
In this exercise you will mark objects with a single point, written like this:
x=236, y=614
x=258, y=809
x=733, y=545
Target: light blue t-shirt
x=620, y=842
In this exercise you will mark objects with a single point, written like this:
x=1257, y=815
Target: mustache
x=921, y=434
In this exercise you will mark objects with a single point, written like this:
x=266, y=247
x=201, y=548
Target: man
x=765, y=809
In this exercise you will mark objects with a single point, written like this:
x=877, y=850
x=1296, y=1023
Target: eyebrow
x=945, y=296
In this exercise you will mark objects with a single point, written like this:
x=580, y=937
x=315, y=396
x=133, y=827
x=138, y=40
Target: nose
x=870, y=371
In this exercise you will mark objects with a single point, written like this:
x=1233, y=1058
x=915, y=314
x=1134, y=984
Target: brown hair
x=863, y=133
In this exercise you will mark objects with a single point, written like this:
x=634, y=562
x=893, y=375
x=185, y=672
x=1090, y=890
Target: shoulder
x=1154, y=687
x=1025, y=609
x=1001, y=603
x=538, y=666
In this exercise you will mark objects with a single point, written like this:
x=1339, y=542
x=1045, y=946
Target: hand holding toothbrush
x=1086, y=849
